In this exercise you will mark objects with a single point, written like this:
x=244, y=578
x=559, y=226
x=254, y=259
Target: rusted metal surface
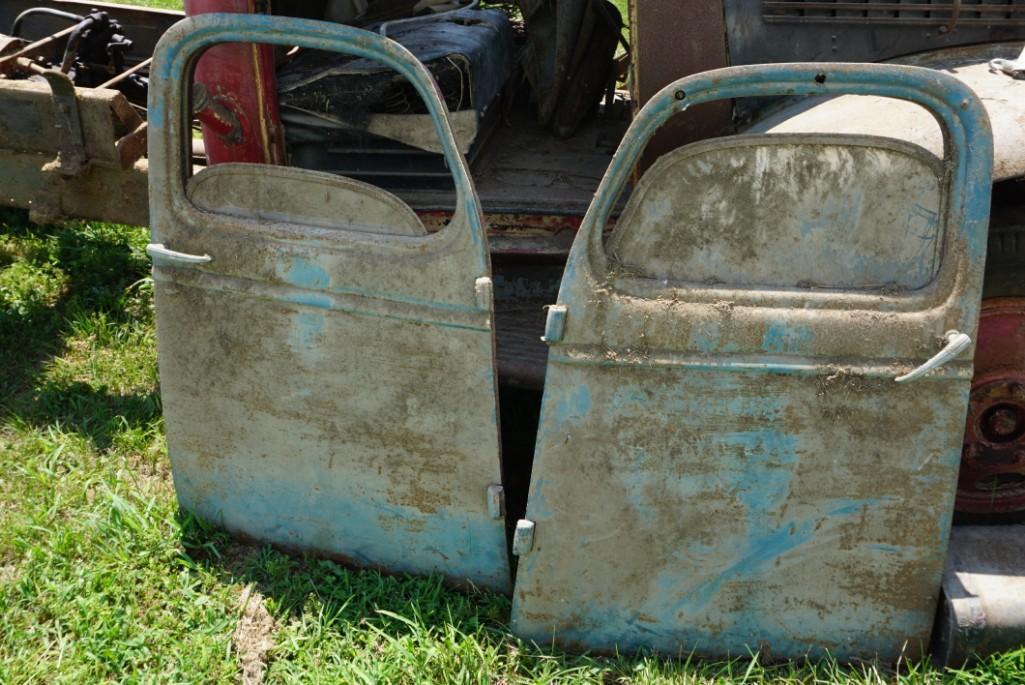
x=32, y=49
x=71, y=152
x=518, y=233
x=982, y=611
x=707, y=475
x=1002, y=95
x=100, y=193
x=29, y=118
x=327, y=388
x=992, y=477
x=670, y=39
x=240, y=117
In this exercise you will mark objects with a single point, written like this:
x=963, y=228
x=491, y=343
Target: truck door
x=756, y=389
x=326, y=365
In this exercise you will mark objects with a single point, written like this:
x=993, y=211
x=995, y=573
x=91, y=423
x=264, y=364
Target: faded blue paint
x=337, y=520
x=720, y=502
x=262, y=454
x=572, y=406
x=782, y=337
x=309, y=329
x=707, y=338
x=963, y=117
x=303, y=273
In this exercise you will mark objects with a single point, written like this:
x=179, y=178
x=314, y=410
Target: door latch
x=956, y=343
x=159, y=253
x=523, y=537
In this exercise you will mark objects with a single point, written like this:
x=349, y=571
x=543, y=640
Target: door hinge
x=523, y=538
x=496, y=501
x=482, y=288
x=555, y=324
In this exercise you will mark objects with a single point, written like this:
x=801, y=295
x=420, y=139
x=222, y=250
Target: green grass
x=102, y=578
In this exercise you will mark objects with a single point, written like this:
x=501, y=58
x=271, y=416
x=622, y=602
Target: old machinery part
x=982, y=610
x=707, y=471
x=96, y=50
x=237, y=86
x=48, y=11
x=71, y=156
x=992, y=480
x=218, y=114
x=380, y=280
x=991, y=488
x=94, y=53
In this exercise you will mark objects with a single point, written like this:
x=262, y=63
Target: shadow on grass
x=344, y=599
x=92, y=266
x=93, y=412
x=292, y=580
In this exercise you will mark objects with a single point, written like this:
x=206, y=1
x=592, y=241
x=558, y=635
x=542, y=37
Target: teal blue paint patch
x=305, y=274
x=331, y=514
x=309, y=328
x=784, y=338
x=888, y=549
x=572, y=406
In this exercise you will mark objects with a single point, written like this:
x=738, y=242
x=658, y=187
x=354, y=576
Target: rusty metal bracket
x=72, y=158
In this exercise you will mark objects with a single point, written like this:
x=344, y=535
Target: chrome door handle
x=956, y=343
x=157, y=252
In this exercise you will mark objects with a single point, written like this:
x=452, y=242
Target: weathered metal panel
x=1002, y=95
x=982, y=611
x=99, y=193
x=787, y=211
x=727, y=466
x=28, y=121
x=301, y=196
x=753, y=39
x=326, y=388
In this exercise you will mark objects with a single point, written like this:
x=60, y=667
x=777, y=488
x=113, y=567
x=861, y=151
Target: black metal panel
x=859, y=31
x=949, y=14
x=775, y=31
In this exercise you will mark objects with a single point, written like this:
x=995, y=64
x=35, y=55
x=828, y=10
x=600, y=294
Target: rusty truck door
x=734, y=452
x=326, y=365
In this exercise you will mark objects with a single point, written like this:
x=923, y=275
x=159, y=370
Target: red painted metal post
x=235, y=95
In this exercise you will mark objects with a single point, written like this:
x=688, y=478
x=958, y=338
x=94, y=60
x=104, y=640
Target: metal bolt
x=680, y=95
